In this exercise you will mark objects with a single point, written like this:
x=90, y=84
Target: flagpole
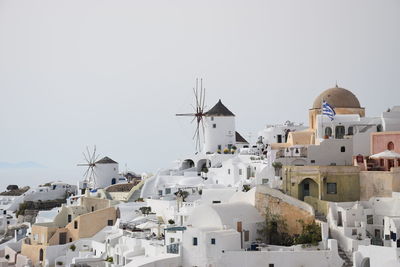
x=322, y=119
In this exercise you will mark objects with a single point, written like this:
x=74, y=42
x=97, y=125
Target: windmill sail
x=199, y=97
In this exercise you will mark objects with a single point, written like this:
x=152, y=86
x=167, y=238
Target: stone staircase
x=347, y=259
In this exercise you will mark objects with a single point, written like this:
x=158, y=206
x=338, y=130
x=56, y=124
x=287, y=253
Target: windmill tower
x=220, y=130
x=198, y=114
x=99, y=173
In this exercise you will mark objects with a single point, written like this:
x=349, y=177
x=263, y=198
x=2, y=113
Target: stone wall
x=289, y=208
x=379, y=183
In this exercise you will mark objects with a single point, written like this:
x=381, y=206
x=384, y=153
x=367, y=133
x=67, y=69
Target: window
x=328, y=131
x=279, y=138
x=339, y=132
x=271, y=265
x=379, y=128
x=160, y=192
x=70, y=239
x=92, y=208
x=212, y=118
x=331, y=188
x=219, y=147
x=216, y=201
x=194, y=241
x=167, y=191
x=110, y=222
x=313, y=161
x=212, y=241
x=76, y=224
x=342, y=149
x=350, y=130
x=353, y=231
x=240, y=171
x=265, y=181
x=370, y=219
x=69, y=218
x=214, y=125
x=229, y=171
x=172, y=240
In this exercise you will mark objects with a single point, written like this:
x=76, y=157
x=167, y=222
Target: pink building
x=385, y=153
x=385, y=141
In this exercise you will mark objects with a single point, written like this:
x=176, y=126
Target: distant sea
x=34, y=174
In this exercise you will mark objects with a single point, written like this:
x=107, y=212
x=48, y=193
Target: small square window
x=194, y=241
x=212, y=241
x=167, y=191
x=172, y=240
x=110, y=222
x=214, y=125
x=343, y=149
x=312, y=161
x=331, y=188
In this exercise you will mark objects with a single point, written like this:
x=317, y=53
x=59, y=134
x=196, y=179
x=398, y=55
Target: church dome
x=338, y=98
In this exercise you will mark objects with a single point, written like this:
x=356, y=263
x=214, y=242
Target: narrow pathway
x=347, y=260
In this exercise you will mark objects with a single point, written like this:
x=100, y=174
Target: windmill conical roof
x=240, y=139
x=105, y=160
x=219, y=110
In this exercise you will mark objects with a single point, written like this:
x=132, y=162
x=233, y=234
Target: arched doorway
x=202, y=165
x=308, y=187
x=113, y=181
x=365, y=262
x=390, y=146
x=187, y=164
x=41, y=254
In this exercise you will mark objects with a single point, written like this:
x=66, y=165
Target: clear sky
x=113, y=73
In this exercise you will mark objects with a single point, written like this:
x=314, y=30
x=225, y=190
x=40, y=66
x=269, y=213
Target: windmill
x=91, y=158
x=198, y=114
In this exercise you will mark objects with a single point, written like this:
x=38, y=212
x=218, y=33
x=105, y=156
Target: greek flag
x=328, y=110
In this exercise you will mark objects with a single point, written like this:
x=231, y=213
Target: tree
x=145, y=210
x=310, y=234
x=274, y=230
x=277, y=166
x=183, y=194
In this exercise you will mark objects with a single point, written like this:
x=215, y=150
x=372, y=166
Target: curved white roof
x=218, y=215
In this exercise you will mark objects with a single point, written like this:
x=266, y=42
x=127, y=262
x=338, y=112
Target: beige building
x=329, y=183
x=344, y=102
x=70, y=224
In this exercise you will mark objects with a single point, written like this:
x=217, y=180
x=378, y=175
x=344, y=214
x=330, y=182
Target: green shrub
x=72, y=247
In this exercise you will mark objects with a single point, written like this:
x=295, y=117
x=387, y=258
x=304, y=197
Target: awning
x=387, y=154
